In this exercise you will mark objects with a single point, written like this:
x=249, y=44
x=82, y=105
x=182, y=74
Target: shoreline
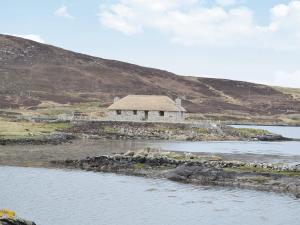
x=194, y=170
x=145, y=132
x=252, y=171
x=70, y=138
x=82, y=148
x=55, y=133
x=264, y=124
x=54, y=139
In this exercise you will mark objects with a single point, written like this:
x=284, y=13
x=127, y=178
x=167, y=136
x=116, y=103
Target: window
x=118, y=112
x=134, y=112
x=161, y=113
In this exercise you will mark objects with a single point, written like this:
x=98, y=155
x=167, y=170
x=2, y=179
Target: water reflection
x=75, y=198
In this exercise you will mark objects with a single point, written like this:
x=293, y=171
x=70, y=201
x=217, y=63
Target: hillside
x=31, y=73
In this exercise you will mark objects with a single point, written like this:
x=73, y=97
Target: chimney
x=116, y=99
x=178, y=101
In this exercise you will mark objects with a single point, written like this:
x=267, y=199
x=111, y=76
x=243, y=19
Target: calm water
x=54, y=197
x=269, y=148
x=272, y=148
x=288, y=148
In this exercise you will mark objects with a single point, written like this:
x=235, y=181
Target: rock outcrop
x=15, y=221
x=190, y=168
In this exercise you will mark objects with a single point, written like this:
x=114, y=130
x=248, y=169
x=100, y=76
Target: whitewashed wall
x=127, y=115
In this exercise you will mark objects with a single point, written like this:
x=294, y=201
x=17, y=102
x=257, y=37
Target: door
x=146, y=115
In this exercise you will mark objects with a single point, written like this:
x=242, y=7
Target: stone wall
x=128, y=115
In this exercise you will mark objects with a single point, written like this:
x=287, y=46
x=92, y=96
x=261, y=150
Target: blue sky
x=257, y=40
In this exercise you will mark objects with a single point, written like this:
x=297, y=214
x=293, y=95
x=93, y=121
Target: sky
x=250, y=40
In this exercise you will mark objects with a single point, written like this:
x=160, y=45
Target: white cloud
x=288, y=79
x=189, y=22
x=210, y=26
x=117, y=18
x=226, y=2
x=33, y=37
x=63, y=12
x=284, y=28
x=131, y=16
x=280, y=10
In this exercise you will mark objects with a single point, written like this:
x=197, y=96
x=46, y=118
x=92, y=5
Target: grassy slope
x=236, y=117
x=48, y=108
x=25, y=129
x=295, y=92
x=11, y=128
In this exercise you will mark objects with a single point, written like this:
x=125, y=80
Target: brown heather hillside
x=31, y=73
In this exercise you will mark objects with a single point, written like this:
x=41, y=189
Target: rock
x=15, y=221
x=129, y=153
x=271, y=137
x=201, y=174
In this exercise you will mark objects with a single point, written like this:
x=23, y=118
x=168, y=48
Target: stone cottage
x=154, y=108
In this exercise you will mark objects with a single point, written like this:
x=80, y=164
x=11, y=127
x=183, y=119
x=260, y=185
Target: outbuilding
x=156, y=108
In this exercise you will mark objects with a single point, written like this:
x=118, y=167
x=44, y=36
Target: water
x=51, y=197
x=240, y=147
x=269, y=148
x=284, y=148
x=290, y=132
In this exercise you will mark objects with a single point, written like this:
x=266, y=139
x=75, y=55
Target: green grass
x=293, y=119
x=88, y=107
x=201, y=130
x=263, y=170
x=250, y=132
x=25, y=129
x=139, y=166
x=237, y=117
x=167, y=129
x=94, y=109
x=110, y=130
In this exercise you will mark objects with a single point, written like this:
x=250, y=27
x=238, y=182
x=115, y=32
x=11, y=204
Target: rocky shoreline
x=15, y=221
x=204, y=131
x=112, y=130
x=189, y=168
x=53, y=139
